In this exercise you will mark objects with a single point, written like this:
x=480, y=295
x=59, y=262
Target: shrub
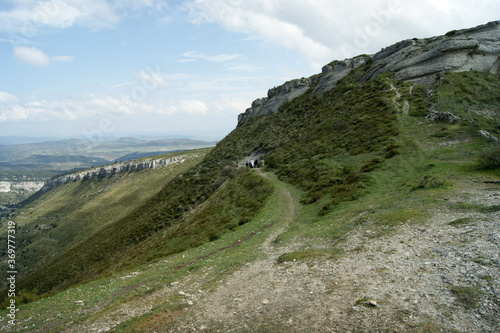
x=469, y=297
x=431, y=181
x=371, y=165
x=490, y=158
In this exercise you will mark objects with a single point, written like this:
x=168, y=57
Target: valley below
x=375, y=208
x=431, y=274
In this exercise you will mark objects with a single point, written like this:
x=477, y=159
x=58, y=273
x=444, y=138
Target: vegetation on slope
x=336, y=148
x=170, y=210
x=300, y=141
x=68, y=214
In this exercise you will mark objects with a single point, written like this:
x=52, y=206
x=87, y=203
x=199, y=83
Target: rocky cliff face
x=418, y=61
x=276, y=97
x=110, y=170
x=6, y=187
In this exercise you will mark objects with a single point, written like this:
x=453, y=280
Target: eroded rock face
x=276, y=97
x=418, y=61
x=332, y=73
x=110, y=170
x=20, y=186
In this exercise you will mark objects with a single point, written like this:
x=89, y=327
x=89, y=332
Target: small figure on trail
x=256, y=164
x=252, y=165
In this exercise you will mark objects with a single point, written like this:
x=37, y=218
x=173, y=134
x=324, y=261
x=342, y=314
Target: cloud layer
x=28, y=16
x=119, y=107
x=273, y=41
x=324, y=30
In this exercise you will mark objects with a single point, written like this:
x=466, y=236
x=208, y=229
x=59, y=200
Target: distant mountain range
x=37, y=162
x=375, y=208
x=107, y=150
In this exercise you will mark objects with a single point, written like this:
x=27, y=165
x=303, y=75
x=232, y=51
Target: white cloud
x=215, y=58
x=53, y=13
x=193, y=107
x=31, y=56
x=186, y=60
x=7, y=98
x=92, y=106
x=26, y=18
x=244, y=68
x=229, y=105
x=260, y=18
x=68, y=109
x=63, y=58
x=152, y=5
x=324, y=30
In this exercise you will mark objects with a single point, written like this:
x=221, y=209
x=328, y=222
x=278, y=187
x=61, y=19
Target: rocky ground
x=436, y=276
x=432, y=277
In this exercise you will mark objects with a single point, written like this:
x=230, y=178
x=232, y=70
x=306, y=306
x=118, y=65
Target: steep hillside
x=376, y=209
x=70, y=212
x=37, y=162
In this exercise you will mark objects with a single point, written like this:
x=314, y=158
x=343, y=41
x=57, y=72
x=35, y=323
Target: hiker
x=252, y=165
x=256, y=163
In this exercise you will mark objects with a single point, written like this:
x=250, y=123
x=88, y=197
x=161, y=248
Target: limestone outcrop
x=332, y=73
x=26, y=186
x=276, y=97
x=110, y=170
x=418, y=61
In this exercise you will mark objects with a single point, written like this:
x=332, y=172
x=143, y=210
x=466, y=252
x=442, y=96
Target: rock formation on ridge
x=414, y=60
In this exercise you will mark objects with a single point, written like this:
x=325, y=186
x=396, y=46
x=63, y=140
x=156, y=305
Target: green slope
x=68, y=214
x=170, y=210
x=350, y=152
x=106, y=296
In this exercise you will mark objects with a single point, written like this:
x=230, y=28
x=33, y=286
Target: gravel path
x=430, y=277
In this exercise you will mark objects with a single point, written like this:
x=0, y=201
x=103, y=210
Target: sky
x=100, y=69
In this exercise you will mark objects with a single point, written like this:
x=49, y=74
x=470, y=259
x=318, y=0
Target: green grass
x=307, y=254
x=349, y=158
x=69, y=214
x=214, y=261
x=431, y=181
x=164, y=224
x=489, y=158
x=467, y=296
x=461, y=222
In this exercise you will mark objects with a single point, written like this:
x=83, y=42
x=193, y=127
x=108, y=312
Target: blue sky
x=111, y=68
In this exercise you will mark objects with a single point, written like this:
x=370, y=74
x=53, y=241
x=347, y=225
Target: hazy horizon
x=14, y=140
x=99, y=68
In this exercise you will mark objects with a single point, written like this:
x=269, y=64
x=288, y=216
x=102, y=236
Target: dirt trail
x=252, y=289
x=438, y=276
x=429, y=277
x=405, y=108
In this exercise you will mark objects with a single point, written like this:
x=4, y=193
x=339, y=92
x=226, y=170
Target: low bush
x=469, y=297
x=431, y=181
x=371, y=165
x=490, y=158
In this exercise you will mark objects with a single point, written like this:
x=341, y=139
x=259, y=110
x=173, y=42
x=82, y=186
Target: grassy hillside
x=169, y=211
x=361, y=155
x=298, y=141
x=68, y=214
